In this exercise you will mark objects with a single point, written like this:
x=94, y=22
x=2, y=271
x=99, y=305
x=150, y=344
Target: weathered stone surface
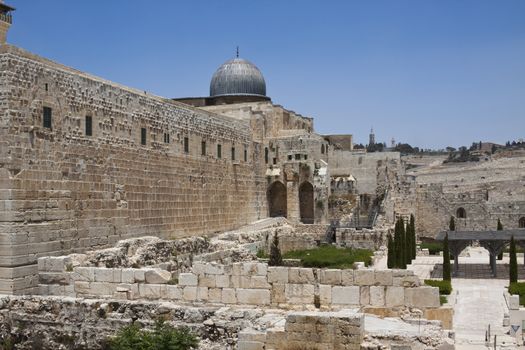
x=188, y=279
x=345, y=295
x=422, y=297
x=300, y=275
x=364, y=296
x=347, y=277
x=383, y=277
x=229, y=296
x=377, y=296
x=278, y=274
x=325, y=294
x=157, y=276
x=332, y=277
x=365, y=277
x=395, y=296
x=299, y=293
x=253, y=296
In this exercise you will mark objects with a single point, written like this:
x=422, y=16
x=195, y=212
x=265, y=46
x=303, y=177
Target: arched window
x=521, y=223
x=461, y=213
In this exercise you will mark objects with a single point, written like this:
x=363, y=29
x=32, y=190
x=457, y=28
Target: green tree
x=413, y=236
x=452, y=224
x=276, y=258
x=401, y=251
x=446, y=260
x=513, y=264
x=500, y=228
x=391, y=258
x=397, y=244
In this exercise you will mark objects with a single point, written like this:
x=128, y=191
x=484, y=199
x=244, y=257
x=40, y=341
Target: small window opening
x=186, y=145
x=219, y=151
x=203, y=148
x=143, y=136
x=47, y=117
x=89, y=125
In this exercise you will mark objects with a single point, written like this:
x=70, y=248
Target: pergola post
x=494, y=247
x=455, y=248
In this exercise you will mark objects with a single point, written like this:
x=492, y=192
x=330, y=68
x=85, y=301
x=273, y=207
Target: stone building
x=85, y=162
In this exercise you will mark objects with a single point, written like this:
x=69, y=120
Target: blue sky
x=430, y=73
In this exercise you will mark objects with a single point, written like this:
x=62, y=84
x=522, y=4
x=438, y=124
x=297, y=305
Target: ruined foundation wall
x=62, y=191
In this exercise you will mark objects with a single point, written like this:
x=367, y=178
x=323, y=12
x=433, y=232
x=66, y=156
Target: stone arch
x=277, y=204
x=306, y=202
x=521, y=222
x=461, y=213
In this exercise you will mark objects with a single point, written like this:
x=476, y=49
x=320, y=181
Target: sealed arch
x=306, y=203
x=277, y=204
x=461, y=213
x=521, y=222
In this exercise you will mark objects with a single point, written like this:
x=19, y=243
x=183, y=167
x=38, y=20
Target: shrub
x=442, y=300
x=518, y=288
x=330, y=256
x=433, y=247
x=162, y=337
x=261, y=254
x=445, y=287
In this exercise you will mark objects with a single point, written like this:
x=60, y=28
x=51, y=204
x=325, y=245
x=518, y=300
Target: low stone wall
x=371, y=239
x=245, y=283
x=309, y=330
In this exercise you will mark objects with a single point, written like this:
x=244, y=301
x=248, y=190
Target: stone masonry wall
x=62, y=191
x=245, y=283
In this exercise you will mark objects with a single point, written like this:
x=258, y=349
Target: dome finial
x=237, y=51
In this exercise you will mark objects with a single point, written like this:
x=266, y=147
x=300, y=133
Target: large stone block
x=345, y=295
x=395, y=296
x=325, y=294
x=222, y=281
x=157, y=276
x=188, y=279
x=365, y=277
x=189, y=293
x=347, y=277
x=377, y=296
x=229, y=296
x=278, y=293
x=214, y=295
x=86, y=274
x=150, y=291
x=173, y=292
x=299, y=293
x=422, y=297
x=364, y=295
x=253, y=296
x=278, y=274
x=298, y=275
x=332, y=277
x=383, y=278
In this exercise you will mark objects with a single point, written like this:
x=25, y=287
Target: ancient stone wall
x=483, y=192
x=63, y=191
x=244, y=283
x=369, y=169
x=309, y=330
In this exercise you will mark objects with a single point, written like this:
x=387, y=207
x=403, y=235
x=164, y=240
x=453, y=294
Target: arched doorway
x=461, y=213
x=521, y=223
x=277, y=199
x=306, y=203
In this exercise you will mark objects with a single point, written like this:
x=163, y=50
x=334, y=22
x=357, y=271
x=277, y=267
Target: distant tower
x=372, y=138
x=5, y=20
x=393, y=143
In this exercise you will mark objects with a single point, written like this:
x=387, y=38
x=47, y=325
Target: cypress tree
x=408, y=243
x=413, y=235
x=452, y=224
x=446, y=260
x=398, y=245
x=276, y=258
x=513, y=265
x=500, y=228
x=391, y=257
x=402, y=244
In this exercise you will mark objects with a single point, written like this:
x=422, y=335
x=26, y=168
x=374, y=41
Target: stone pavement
x=478, y=303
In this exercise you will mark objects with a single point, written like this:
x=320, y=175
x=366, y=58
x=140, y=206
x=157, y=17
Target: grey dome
x=237, y=77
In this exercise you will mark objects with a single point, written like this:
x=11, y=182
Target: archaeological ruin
x=120, y=207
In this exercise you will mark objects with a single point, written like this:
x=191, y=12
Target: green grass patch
x=518, y=288
x=433, y=247
x=331, y=257
x=261, y=254
x=445, y=287
x=443, y=299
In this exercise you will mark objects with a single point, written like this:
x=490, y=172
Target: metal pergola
x=494, y=241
